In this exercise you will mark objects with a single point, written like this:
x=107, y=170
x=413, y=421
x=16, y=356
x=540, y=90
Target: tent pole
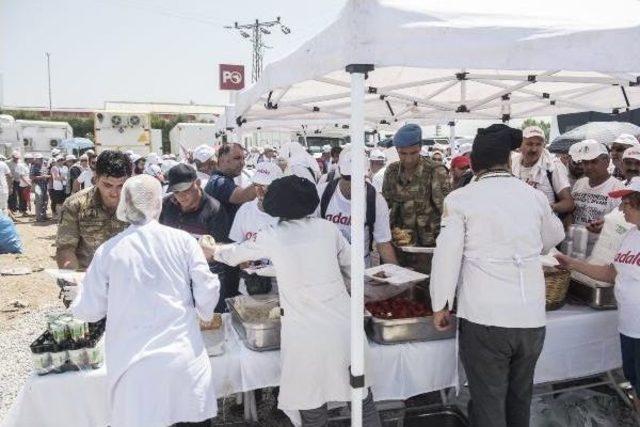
x=357, y=72
x=453, y=146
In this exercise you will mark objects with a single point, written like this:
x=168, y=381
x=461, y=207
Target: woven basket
x=557, y=282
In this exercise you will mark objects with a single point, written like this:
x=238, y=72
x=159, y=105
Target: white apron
x=158, y=371
x=310, y=257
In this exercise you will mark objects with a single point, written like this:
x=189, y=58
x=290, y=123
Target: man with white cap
x=24, y=184
x=377, y=161
x=535, y=166
x=335, y=207
x=591, y=193
x=631, y=163
x=619, y=145
x=204, y=157
x=251, y=218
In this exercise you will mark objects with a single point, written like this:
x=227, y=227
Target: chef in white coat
x=312, y=260
x=493, y=232
x=152, y=282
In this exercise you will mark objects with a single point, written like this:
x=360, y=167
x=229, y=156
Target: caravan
x=38, y=136
x=9, y=136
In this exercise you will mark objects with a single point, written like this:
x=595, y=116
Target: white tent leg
x=357, y=240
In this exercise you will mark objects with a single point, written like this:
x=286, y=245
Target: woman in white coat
x=311, y=259
x=152, y=282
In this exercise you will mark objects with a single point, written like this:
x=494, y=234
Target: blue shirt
x=221, y=187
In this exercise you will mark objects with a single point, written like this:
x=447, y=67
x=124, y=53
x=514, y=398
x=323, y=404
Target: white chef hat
x=140, y=200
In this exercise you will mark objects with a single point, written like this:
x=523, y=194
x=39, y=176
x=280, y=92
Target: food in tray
x=214, y=323
x=256, y=312
x=381, y=275
x=402, y=237
x=398, y=308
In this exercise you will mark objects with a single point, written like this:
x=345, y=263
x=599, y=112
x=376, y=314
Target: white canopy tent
x=391, y=61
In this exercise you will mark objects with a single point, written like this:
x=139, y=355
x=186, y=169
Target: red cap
x=460, y=162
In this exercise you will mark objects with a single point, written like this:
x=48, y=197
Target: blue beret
x=408, y=135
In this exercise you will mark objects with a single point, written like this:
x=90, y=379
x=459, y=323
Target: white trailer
x=38, y=136
x=9, y=136
x=187, y=136
x=120, y=130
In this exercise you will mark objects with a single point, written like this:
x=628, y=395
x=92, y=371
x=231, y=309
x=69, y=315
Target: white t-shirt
x=537, y=175
x=22, y=172
x=593, y=203
x=4, y=171
x=627, y=286
x=248, y=221
x=378, y=179
x=56, y=176
x=339, y=213
x=85, y=178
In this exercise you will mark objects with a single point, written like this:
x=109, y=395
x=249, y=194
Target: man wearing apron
x=492, y=234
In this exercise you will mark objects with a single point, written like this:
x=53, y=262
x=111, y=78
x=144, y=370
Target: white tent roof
x=442, y=61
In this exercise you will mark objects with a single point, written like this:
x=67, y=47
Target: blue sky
x=138, y=50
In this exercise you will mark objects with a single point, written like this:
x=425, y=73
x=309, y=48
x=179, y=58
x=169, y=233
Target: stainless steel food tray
x=397, y=331
x=256, y=336
x=597, y=297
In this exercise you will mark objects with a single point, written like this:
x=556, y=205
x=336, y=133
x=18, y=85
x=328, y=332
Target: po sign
x=231, y=77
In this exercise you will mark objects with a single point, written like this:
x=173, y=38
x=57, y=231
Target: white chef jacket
x=152, y=282
x=310, y=257
x=492, y=234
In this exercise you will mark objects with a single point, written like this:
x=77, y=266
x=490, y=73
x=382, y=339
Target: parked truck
x=9, y=136
x=119, y=130
x=39, y=136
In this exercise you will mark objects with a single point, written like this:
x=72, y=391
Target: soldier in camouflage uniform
x=415, y=188
x=88, y=218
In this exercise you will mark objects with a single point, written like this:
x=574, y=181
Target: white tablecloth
x=579, y=342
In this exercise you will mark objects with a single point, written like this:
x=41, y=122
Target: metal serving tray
x=597, y=297
x=256, y=336
x=383, y=331
x=407, y=330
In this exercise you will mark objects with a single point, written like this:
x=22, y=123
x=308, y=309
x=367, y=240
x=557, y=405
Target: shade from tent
x=440, y=61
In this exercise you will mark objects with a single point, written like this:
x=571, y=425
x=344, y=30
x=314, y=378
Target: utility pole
x=48, y=55
x=254, y=33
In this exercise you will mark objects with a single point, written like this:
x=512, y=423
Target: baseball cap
x=632, y=153
x=70, y=157
x=265, y=173
x=377, y=155
x=152, y=159
x=626, y=139
x=181, y=177
x=533, y=131
x=344, y=161
x=632, y=187
x=15, y=154
x=588, y=149
x=37, y=156
x=202, y=153
x=460, y=162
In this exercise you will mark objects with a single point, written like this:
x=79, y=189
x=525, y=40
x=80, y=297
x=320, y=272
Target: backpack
x=370, y=205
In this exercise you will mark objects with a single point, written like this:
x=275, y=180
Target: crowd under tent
x=386, y=61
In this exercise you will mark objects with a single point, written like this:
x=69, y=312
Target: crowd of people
x=490, y=210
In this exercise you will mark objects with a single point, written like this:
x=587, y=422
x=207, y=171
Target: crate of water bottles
x=68, y=344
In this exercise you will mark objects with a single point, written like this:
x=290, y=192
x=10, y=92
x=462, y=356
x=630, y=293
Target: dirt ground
x=34, y=290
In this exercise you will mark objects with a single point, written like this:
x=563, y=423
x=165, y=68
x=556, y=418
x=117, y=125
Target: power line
x=254, y=33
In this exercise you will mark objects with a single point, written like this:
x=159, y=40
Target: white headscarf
x=140, y=200
x=298, y=158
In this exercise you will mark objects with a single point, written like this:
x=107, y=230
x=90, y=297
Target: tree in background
x=545, y=126
x=166, y=126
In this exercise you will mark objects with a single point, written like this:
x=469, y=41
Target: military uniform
x=416, y=204
x=85, y=224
